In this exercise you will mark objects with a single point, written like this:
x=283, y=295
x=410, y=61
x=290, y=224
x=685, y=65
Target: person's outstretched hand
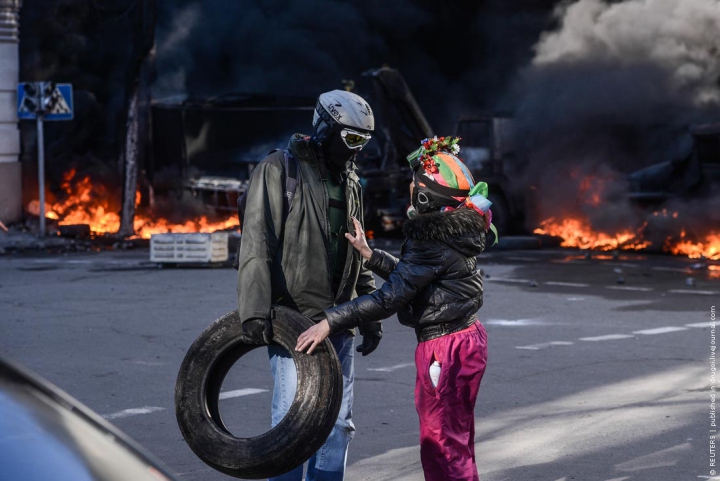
x=358, y=241
x=311, y=338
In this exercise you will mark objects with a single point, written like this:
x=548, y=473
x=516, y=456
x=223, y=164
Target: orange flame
x=708, y=248
x=145, y=227
x=91, y=203
x=714, y=271
x=578, y=233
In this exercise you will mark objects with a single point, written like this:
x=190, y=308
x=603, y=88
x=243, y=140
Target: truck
x=695, y=175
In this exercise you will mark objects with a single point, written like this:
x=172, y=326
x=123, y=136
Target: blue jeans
x=328, y=464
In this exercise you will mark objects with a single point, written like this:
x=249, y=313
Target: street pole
x=41, y=170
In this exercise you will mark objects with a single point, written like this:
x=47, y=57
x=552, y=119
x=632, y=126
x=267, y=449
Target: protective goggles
x=353, y=139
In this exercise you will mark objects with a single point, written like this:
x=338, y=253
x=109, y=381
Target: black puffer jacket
x=436, y=280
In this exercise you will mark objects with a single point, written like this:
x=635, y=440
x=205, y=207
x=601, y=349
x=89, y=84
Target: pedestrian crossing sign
x=54, y=100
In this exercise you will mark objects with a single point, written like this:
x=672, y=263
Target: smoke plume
x=456, y=56
x=615, y=87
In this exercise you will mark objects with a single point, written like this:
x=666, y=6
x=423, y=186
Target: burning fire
x=578, y=233
x=90, y=203
x=714, y=271
x=709, y=248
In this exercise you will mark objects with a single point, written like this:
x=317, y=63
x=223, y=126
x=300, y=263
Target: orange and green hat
x=437, y=166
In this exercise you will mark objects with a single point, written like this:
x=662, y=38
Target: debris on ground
x=21, y=239
x=78, y=231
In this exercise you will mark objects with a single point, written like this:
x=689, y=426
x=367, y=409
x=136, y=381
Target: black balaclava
x=332, y=146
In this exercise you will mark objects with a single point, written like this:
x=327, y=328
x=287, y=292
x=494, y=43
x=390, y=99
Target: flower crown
x=429, y=147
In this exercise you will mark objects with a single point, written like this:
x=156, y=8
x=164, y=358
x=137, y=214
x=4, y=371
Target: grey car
x=46, y=435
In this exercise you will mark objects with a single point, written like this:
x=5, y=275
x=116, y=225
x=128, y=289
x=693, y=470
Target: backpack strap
x=291, y=180
x=290, y=176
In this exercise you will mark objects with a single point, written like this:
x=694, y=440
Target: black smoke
x=456, y=56
x=614, y=87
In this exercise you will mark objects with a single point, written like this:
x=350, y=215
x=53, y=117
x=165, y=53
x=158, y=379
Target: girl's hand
x=313, y=336
x=358, y=241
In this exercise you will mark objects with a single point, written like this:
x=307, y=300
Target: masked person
x=436, y=289
x=301, y=259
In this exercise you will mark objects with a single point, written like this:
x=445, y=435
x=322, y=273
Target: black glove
x=371, y=333
x=258, y=331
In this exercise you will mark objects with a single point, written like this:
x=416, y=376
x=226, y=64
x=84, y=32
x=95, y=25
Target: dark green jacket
x=289, y=265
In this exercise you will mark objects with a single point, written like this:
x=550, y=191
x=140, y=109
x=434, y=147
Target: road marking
x=575, y=299
x=689, y=291
x=240, y=392
x=711, y=478
x=630, y=288
x=151, y=363
x=606, y=338
x=566, y=284
x=391, y=368
x=501, y=279
x=526, y=259
x=514, y=322
x=660, y=330
x=699, y=324
x=670, y=269
x=544, y=345
x=133, y=412
x=153, y=409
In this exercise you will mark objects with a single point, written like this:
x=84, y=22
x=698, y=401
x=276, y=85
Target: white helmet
x=344, y=109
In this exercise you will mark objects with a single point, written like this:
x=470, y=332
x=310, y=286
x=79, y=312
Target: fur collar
x=443, y=226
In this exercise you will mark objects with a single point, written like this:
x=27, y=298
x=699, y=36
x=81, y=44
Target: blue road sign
x=31, y=96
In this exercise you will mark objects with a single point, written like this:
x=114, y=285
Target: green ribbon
x=497, y=237
x=482, y=189
x=414, y=155
x=479, y=188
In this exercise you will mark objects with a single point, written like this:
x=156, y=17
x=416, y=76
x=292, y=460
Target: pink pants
x=447, y=420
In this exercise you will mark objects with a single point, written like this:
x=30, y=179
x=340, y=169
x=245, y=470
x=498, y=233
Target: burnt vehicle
x=48, y=436
x=213, y=145
x=694, y=175
x=210, y=146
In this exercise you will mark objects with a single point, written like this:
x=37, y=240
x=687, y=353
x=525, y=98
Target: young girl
x=436, y=289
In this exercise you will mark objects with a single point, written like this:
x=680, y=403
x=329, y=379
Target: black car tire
x=301, y=432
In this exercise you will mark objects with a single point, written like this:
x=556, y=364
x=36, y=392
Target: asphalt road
x=588, y=378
